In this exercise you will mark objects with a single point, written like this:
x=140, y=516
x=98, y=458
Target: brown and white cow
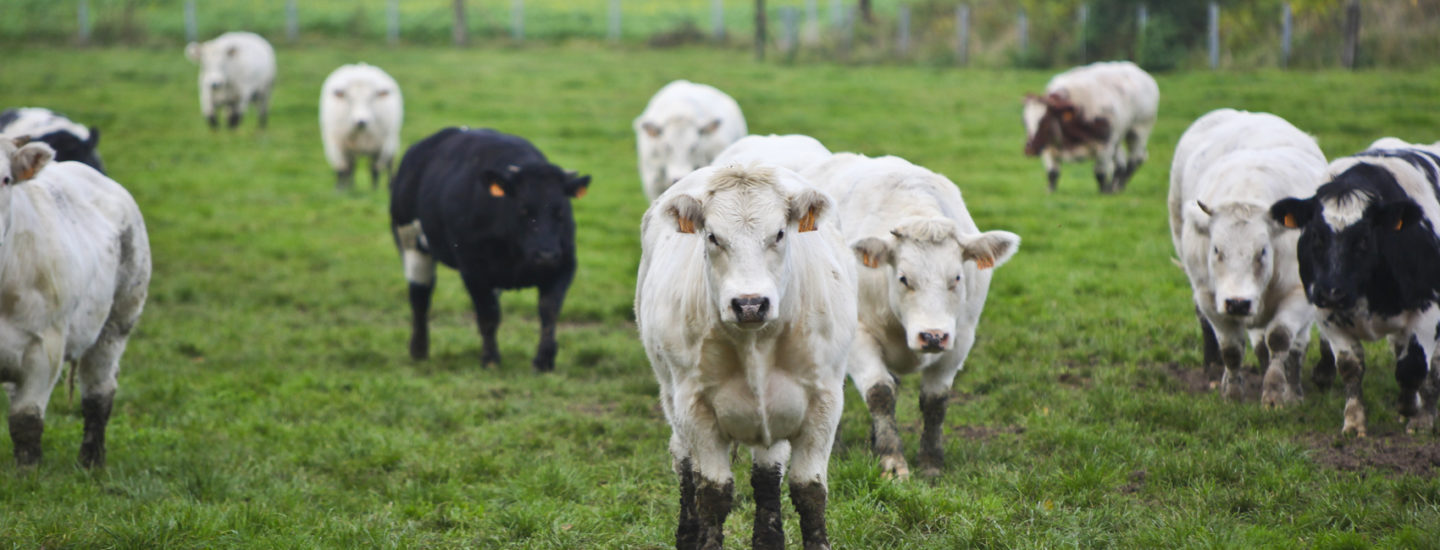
x=1088, y=112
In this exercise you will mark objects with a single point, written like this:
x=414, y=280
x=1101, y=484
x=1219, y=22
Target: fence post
x=1286, y=24
x=1022, y=28
x=392, y=22
x=902, y=38
x=1081, y=16
x=759, y=30
x=190, y=32
x=837, y=13
x=614, y=20
x=292, y=21
x=847, y=32
x=1141, y=19
x=962, y=34
x=82, y=17
x=1352, y=33
x=1214, y=36
x=810, y=31
x=717, y=19
x=517, y=20
x=458, y=31
x=790, y=40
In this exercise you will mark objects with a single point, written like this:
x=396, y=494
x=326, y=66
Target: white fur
x=794, y=151
x=38, y=121
x=684, y=117
x=236, y=68
x=776, y=387
x=1118, y=91
x=74, y=272
x=361, y=112
x=1237, y=164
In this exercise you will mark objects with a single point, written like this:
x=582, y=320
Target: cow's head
x=69, y=146
x=21, y=159
x=537, y=197
x=1241, y=257
x=675, y=146
x=925, y=260
x=1363, y=237
x=1052, y=120
x=212, y=59
x=360, y=99
x=748, y=217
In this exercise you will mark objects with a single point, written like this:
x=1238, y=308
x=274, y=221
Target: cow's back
x=1117, y=90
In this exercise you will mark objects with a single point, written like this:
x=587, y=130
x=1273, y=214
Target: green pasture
x=267, y=399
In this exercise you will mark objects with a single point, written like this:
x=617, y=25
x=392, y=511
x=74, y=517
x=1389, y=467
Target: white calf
x=361, y=112
x=683, y=128
x=74, y=269
x=1229, y=167
x=793, y=151
x=746, y=304
x=1087, y=112
x=236, y=69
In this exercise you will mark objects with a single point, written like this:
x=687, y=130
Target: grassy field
x=267, y=399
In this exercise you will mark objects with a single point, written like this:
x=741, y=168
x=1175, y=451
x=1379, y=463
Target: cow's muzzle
x=933, y=340
x=1330, y=298
x=750, y=308
x=1238, y=306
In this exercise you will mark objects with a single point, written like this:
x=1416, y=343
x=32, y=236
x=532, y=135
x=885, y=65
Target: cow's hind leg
x=97, y=370
x=552, y=298
x=765, y=474
x=420, y=274
x=40, y=366
x=1412, y=373
x=262, y=107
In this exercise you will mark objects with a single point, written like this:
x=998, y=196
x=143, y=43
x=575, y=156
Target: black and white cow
x=71, y=141
x=1369, y=258
x=490, y=205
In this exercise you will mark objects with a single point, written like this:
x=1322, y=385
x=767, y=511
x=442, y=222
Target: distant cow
x=925, y=270
x=746, y=304
x=1229, y=167
x=794, y=151
x=76, y=261
x=1369, y=255
x=236, y=69
x=490, y=205
x=361, y=112
x=683, y=128
x=1087, y=112
x=70, y=141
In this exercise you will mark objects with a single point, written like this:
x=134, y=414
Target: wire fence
x=988, y=33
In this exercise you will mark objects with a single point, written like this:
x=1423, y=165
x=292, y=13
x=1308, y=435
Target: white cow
x=926, y=272
x=746, y=305
x=683, y=128
x=236, y=69
x=75, y=261
x=1229, y=167
x=361, y=112
x=1087, y=112
x=793, y=151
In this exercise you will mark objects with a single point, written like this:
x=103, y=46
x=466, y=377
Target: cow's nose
x=1237, y=306
x=361, y=124
x=933, y=340
x=750, y=308
x=1327, y=297
x=547, y=256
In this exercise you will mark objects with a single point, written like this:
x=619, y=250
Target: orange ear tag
x=807, y=222
x=1290, y=221
x=686, y=226
x=496, y=190
x=1399, y=223
x=984, y=262
x=1067, y=116
x=868, y=260
x=581, y=192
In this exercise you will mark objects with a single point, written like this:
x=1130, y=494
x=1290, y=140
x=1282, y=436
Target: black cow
x=490, y=205
x=70, y=141
x=1369, y=258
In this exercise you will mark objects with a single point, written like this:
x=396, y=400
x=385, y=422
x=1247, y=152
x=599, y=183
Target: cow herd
x=771, y=268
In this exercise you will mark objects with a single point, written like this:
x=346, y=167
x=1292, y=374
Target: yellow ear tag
x=807, y=222
x=984, y=262
x=1290, y=221
x=496, y=190
x=1399, y=223
x=581, y=192
x=686, y=226
x=868, y=260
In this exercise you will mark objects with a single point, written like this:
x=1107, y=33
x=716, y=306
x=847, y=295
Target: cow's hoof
x=1232, y=387
x=1357, y=430
x=1277, y=399
x=894, y=467
x=543, y=366
x=488, y=360
x=1420, y=424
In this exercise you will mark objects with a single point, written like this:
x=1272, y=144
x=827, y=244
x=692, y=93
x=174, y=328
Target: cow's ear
x=94, y=139
x=710, y=128
x=989, y=249
x=1292, y=213
x=806, y=208
x=650, y=128
x=192, y=51
x=872, y=251
x=497, y=184
x=28, y=159
x=1197, y=215
x=576, y=185
x=687, y=213
x=1397, y=215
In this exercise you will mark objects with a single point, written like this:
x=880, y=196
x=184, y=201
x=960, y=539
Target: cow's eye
x=905, y=281
x=5, y=180
x=713, y=240
x=780, y=235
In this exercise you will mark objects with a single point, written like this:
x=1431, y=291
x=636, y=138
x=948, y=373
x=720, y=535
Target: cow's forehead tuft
x=1345, y=209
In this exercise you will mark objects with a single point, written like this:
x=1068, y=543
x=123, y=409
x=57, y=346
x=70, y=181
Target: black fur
x=525, y=238
x=67, y=146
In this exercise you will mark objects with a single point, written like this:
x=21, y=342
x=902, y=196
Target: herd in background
x=771, y=268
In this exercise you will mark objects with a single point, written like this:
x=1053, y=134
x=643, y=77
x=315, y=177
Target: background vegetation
x=267, y=400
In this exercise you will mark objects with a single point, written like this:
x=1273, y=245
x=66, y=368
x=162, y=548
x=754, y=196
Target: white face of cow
x=747, y=220
x=212, y=59
x=1241, y=258
x=675, y=147
x=925, y=258
x=360, y=98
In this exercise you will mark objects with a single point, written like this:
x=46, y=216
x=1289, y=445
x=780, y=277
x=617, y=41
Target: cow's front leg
x=1281, y=369
x=809, y=464
x=877, y=387
x=552, y=298
x=687, y=533
x=1323, y=374
x=765, y=474
x=1210, y=349
x=934, y=400
x=1232, y=353
x=420, y=274
x=1350, y=361
x=236, y=109
x=1051, y=160
x=1412, y=372
x=714, y=484
x=487, y=315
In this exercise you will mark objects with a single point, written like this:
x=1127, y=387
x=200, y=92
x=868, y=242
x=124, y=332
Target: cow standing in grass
x=361, y=112
x=71, y=141
x=796, y=152
x=490, y=205
x=236, y=70
x=1229, y=167
x=925, y=270
x=74, y=272
x=684, y=127
x=1369, y=259
x=1088, y=112
x=746, y=304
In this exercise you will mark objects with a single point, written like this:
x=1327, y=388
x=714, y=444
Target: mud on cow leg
x=932, y=449
x=809, y=500
x=96, y=410
x=26, y=428
x=1351, y=365
x=712, y=505
x=769, y=533
x=1232, y=385
x=420, y=320
x=1324, y=373
x=1052, y=178
x=687, y=533
x=884, y=434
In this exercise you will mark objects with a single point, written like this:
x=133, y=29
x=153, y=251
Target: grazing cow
x=683, y=128
x=1368, y=255
x=76, y=264
x=70, y=141
x=925, y=271
x=1229, y=167
x=236, y=69
x=490, y=205
x=1087, y=112
x=795, y=152
x=361, y=112
x=745, y=304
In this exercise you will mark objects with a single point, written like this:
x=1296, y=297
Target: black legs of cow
x=932, y=452
x=419, y=320
x=552, y=298
x=1351, y=364
x=687, y=534
x=769, y=533
x=809, y=500
x=96, y=410
x=487, y=315
x=884, y=434
x=1213, y=367
x=26, y=428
